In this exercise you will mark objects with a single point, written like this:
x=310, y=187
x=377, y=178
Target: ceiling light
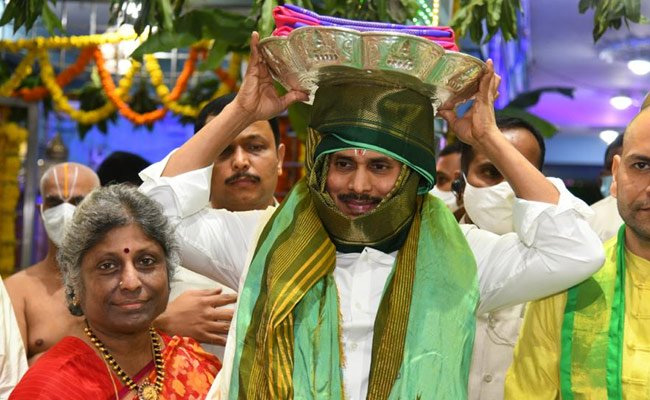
x=608, y=136
x=620, y=102
x=639, y=66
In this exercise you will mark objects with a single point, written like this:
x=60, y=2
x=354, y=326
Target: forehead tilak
x=65, y=191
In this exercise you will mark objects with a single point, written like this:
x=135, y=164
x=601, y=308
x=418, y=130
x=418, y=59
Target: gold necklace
x=147, y=390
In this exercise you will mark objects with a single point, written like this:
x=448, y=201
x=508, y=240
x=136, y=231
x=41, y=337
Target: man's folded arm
x=553, y=249
x=214, y=243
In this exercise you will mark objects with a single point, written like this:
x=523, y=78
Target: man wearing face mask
x=37, y=292
x=607, y=220
x=447, y=171
x=489, y=201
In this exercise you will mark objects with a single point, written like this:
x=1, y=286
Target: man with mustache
x=592, y=341
x=246, y=172
x=391, y=287
x=244, y=178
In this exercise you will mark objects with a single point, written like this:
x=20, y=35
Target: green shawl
x=288, y=326
x=592, y=330
x=427, y=357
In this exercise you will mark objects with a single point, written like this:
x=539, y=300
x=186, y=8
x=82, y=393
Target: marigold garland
x=228, y=82
x=63, y=79
x=23, y=69
x=58, y=42
x=61, y=101
x=114, y=96
x=37, y=48
x=157, y=80
x=11, y=138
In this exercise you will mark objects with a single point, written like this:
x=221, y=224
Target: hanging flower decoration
x=23, y=69
x=61, y=102
x=63, y=79
x=12, y=136
x=114, y=96
x=157, y=80
x=59, y=42
x=37, y=48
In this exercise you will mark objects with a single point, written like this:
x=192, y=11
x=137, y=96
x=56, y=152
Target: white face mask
x=449, y=198
x=56, y=219
x=490, y=208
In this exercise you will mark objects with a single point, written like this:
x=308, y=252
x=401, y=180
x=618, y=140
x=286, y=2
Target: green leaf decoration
x=266, y=23
x=9, y=14
x=215, y=56
x=51, y=20
x=165, y=15
x=163, y=41
x=229, y=31
x=482, y=19
x=612, y=14
x=517, y=108
x=91, y=97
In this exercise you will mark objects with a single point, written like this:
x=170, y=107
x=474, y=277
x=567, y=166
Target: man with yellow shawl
x=360, y=284
x=593, y=341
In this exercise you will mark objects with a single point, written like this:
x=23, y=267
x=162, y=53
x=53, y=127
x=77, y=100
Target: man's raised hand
x=479, y=120
x=257, y=95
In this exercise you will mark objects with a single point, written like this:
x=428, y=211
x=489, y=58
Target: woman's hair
x=103, y=210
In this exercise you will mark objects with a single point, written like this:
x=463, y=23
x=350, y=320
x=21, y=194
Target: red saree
x=71, y=370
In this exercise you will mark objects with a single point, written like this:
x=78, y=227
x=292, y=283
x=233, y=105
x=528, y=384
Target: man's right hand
x=199, y=314
x=257, y=96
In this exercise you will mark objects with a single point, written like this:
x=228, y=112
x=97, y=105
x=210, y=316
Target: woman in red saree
x=116, y=260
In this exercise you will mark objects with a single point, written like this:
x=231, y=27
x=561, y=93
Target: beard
x=637, y=217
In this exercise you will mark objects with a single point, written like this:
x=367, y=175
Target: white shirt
x=13, y=359
x=184, y=280
x=606, y=220
x=553, y=249
x=494, y=344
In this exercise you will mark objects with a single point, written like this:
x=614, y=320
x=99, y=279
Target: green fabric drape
x=288, y=327
x=593, y=329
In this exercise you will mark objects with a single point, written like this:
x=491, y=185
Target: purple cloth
x=433, y=31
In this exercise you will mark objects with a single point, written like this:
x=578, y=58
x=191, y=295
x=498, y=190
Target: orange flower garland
x=61, y=102
x=151, y=116
x=186, y=74
x=88, y=45
x=63, y=79
x=122, y=106
x=157, y=80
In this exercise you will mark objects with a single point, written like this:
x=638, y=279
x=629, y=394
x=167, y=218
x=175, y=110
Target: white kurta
x=606, y=219
x=554, y=248
x=13, y=359
x=184, y=280
x=494, y=344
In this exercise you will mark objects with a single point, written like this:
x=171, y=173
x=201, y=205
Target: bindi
x=360, y=152
x=126, y=250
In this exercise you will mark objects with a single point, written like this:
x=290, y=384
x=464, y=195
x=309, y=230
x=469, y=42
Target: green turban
x=394, y=121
